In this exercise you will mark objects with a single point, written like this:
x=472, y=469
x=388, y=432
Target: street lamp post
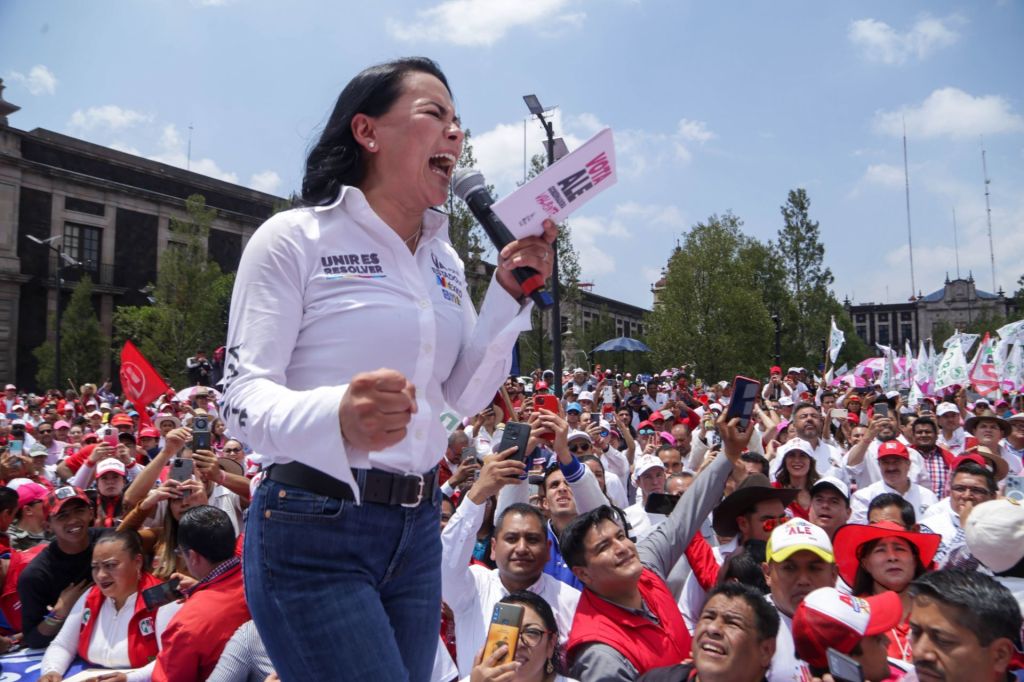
x=62, y=258
x=534, y=105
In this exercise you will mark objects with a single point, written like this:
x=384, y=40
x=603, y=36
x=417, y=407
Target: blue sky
x=715, y=106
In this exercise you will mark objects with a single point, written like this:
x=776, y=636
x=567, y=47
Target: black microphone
x=468, y=185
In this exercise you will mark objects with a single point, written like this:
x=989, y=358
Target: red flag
x=139, y=381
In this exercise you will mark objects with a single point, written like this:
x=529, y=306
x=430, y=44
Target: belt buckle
x=419, y=491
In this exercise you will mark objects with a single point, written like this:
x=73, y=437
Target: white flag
x=952, y=369
x=966, y=341
x=835, y=341
x=888, y=379
x=915, y=395
x=933, y=364
x=1011, y=377
x=1009, y=331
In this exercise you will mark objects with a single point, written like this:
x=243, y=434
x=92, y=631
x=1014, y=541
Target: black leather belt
x=376, y=486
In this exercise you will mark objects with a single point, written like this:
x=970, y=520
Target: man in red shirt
x=214, y=608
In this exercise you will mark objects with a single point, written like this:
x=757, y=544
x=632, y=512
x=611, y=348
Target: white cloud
x=953, y=112
x=599, y=239
x=173, y=152
x=268, y=181
x=39, y=81
x=499, y=151
x=106, y=118
x=694, y=131
x=884, y=174
x=483, y=22
x=880, y=42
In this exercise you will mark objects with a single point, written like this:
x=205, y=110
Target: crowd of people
x=644, y=535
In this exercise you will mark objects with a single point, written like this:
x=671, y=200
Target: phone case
x=516, y=434
x=504, y=629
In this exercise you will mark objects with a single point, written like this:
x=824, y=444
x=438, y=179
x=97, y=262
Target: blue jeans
x=341, y=591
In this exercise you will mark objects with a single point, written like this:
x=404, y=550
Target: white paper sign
x=571, y=182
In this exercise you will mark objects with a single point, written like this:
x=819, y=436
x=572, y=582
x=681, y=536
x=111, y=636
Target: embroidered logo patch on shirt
x=146, y=626
x=352, y=266
x=448, y=279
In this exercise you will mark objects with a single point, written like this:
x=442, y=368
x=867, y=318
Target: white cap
x=946, y=408
x=645, y=463
x=995, y=533
x=94, y=413
x=579, y=369
x=10, y=387
x=793, y=370
x=795, y=444
x=785, y=401
x=892, y=394
x=104, y=406
x=843, y=489
x=574, y=434
x=109, y=464
x=586, y=395
x=796, y=535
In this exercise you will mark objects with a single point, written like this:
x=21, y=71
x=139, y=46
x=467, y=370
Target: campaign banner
x=562, y=188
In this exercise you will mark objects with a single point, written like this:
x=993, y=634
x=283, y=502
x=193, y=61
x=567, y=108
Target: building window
x=862, y=332
x=83, y=206
x=861, y=318
x=905, y=317
x=82, y=243
x=883, y=334
x=907, y=332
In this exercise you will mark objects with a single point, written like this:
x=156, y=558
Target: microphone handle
x=528, y=278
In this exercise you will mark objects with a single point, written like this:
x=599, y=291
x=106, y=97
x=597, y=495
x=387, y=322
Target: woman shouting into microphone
x=351, y=328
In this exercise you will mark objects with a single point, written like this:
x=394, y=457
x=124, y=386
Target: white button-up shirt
x=325, y=293
x=919, y=497
x=868, y=472
x=472, y=591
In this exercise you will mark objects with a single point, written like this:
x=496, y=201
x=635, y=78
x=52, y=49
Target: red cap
x=121, y=420
x=63, y=495
x=893, y=448
x=540, y=386
x=149, y=432
x=775, y=370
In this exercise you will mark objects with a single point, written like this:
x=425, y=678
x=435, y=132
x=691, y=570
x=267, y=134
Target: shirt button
x=419, y=434
x=427, y=348
x=424, y=303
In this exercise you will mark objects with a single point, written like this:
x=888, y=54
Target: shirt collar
x=217, y=572
x=355, y=201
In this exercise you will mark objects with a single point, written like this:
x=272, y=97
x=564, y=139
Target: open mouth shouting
x=443, y=164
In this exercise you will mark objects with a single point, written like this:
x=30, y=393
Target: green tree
x=83, y=347
x=190, y=299
x=712, y=313
x=808, y=281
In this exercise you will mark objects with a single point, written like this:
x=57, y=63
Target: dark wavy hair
x=337, y=159
x=864, y=582
x=812, y=473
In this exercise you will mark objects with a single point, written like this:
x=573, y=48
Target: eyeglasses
x=646, y=432
x=531, y=637
x=42, y=432
x=772, y=522
x=582, y=447
x=970, y=489
x=604, y=433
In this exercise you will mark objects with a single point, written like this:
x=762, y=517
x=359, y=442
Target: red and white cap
x=109, y=465
x=893, y=448
x=829, y=618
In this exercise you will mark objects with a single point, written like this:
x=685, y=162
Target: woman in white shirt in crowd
x=538, y=655
x=110, y=626
x=351, y=328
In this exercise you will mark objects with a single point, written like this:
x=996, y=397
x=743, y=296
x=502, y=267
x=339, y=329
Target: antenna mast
x=988, y=216
x=956, y=245
x=910, y=240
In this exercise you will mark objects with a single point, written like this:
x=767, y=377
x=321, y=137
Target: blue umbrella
x=623, y=343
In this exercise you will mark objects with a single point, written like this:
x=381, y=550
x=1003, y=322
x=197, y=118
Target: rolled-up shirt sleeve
x=486, y=354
